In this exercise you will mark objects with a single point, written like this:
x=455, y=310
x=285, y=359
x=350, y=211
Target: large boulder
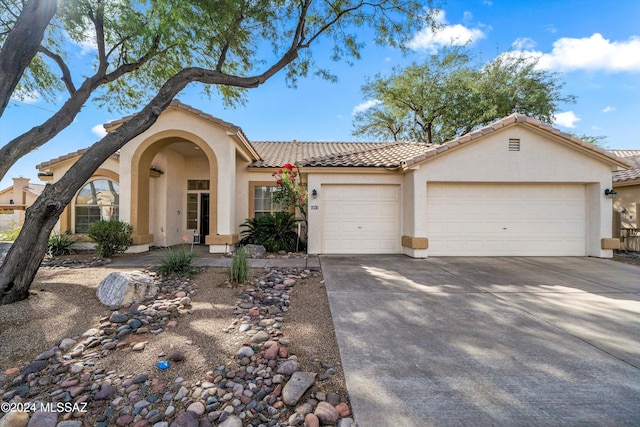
x=123, y=288
x=254, y=251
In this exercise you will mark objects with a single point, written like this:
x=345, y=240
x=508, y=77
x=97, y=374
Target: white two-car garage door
x=506, y=219
x=360, y=219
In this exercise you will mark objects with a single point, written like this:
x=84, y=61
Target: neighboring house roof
x=519, y=118
x=386, y=155
x=46, y=165
x=632, y=156
x=274, y=154
x=35, y=189
x=626, y=153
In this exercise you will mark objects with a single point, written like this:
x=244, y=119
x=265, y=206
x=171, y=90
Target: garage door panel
x=361, y=219
x=503, y=219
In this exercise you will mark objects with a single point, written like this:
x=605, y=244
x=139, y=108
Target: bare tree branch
x=66, y=74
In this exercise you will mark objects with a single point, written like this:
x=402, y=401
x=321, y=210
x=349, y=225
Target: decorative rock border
x=262, y=387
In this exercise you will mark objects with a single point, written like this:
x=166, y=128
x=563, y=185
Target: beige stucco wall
x=61, y=168
x=111, y=167
x=21, y=200
x=168, y=200
x=539, y=160
x=243, y=177
x=315, y=180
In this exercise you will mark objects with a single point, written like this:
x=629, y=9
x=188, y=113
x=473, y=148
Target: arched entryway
x=173, y=154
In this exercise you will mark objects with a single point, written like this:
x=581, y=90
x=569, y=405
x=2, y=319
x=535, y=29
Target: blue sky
x=595, y=44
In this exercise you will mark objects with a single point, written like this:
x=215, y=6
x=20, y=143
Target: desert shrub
x=60, y=244
x=111, y=237
x=10, y=235
x=239, y=270
x=277, y=232
x=177, y=261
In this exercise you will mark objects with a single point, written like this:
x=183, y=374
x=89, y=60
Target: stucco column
x=414, y=233
x=139, y=204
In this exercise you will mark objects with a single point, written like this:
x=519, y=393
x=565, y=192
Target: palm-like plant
x=276, y=232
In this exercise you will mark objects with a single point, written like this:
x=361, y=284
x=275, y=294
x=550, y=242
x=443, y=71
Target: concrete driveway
x=487, y=341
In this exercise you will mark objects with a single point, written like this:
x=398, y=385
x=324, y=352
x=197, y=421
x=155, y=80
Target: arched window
x=99, y=199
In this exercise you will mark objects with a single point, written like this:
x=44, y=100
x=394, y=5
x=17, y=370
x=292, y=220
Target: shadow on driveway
x=487, y=341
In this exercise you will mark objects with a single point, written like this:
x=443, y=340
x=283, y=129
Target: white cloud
x=567, y=119
x=593, y=53
x=99, y=130
x=87, y=41
x=608, y=109
x=523, y=43
x=446, y=35
x=26, y=97
x=365, y=106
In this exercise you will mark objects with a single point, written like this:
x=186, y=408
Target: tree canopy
x=142, y=54
x=448, y=96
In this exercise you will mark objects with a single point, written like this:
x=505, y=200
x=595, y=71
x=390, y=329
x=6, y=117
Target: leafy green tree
x=145, y=53
x=597, y=140
x=448, y=96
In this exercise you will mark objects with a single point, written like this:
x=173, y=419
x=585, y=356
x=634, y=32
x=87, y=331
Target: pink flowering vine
x=289, y=189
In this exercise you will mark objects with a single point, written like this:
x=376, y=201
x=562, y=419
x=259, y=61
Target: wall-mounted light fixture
x=314, y=194
x=610, y=193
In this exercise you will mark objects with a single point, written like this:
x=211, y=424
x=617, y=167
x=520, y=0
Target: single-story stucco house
x=15, y=199
x=626, y=205
x=516, y=187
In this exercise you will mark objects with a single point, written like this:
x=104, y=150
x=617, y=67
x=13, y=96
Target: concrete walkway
x=487, y=341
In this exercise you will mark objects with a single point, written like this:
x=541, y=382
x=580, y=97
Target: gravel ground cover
x=209, y=338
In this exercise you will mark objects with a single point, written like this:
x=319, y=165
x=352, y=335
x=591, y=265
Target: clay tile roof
x=274, y=154
x=516, y=118
x=632, y=156
x=35, y=189
x=385, y=155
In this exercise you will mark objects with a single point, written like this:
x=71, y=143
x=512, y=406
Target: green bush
x=278, y=232
x=60, y=244
x=177, y=261
x=239, y=270
x=111, y=237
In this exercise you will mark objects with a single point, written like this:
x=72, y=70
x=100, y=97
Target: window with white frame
x=263, y=203
x=97, y=200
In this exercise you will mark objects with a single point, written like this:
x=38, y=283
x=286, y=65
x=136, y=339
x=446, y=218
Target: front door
x=204, y=216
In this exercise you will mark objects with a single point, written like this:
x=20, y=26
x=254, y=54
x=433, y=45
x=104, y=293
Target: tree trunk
x=22, y=44
x=25, y=255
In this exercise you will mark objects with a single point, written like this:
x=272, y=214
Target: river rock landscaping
x=236, y=356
